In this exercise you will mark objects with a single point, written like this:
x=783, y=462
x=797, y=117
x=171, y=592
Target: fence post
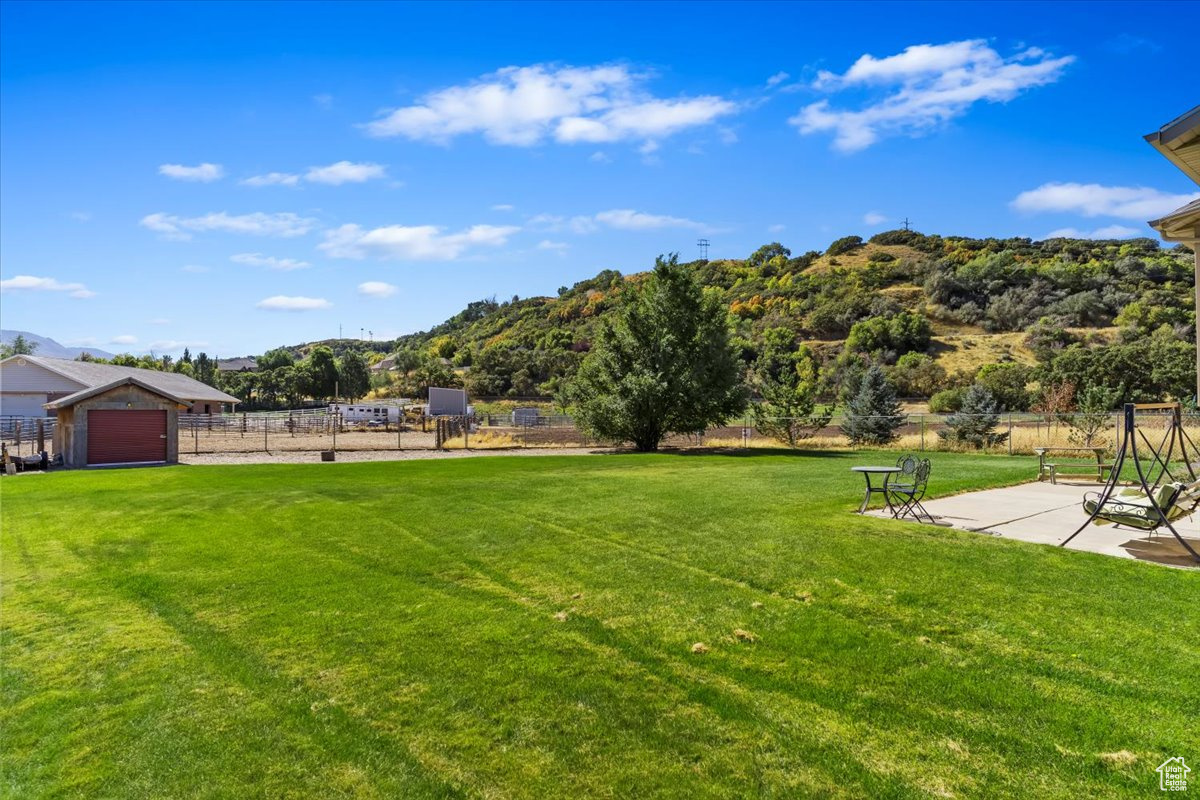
x=1010, y=433
x=195, y=437
x=922, y=433
x=266, y=426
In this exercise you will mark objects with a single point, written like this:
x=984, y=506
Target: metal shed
x=123, y=422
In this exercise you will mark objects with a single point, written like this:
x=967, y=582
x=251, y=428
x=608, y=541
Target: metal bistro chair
x=907, y=492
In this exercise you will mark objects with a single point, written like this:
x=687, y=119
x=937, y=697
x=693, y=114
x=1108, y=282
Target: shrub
x=975, y=424
x=917, y=374
x=844, y=245
x=900, y=333
x=947, y=400
x=1007, y=383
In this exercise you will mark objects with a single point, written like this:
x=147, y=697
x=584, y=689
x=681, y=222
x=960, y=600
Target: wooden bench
x=1074, y=467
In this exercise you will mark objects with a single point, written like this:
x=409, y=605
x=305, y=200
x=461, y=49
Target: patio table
x=867, y=472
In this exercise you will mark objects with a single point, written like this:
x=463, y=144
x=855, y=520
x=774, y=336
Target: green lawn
x=523, y=627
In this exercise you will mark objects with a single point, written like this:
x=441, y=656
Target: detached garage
x=123, y=422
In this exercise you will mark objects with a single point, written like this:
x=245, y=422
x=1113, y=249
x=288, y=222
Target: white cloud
x=1108, y=232
x=623, y=219
x=30, y=283
x=1094, y=200
x=173, y=345
x=345, y=172
x=284, y=303
x=926, y=86
x=270, y=262
x=874, y=218
x=502, y=207
x=272, y=179
x=195, y=269
x=333, y=175
x=776, y=228
x=557, y=247
x=160, y=321
x=202, y=173
x=777, y=78
x=600, y=157
x=81, y=216
x=525, y=106
x=411, y=242
x=376, y=289
x=284, y=224
x=125, y=339
x=626, y=219
x=323, y=100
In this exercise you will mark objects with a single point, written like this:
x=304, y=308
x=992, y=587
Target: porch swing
x=1161, y=494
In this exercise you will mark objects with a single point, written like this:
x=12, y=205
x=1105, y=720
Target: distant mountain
x=50, y=348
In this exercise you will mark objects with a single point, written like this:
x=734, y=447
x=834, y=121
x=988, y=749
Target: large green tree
x=319, y=374
x=665, y=365
x=353, y=375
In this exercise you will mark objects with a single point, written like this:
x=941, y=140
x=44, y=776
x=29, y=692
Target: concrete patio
x=1047, y=514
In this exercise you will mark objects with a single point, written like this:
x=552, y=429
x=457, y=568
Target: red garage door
x=126, y=436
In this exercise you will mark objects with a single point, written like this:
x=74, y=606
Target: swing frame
x=1161, y=456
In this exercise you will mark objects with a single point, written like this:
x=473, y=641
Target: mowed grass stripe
x=384, y=629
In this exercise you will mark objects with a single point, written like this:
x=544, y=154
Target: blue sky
x=233, y=177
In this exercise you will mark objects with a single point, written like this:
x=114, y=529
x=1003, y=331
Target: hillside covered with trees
x=1035, y=322
x=935, y=312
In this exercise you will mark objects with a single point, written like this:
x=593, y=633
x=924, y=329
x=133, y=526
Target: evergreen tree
x=975, y=423
x=20, y=346
x=205, y=369
x=665, y=365
x=873, y=416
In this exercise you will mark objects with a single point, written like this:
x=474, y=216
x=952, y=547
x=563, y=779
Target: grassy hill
x=986, y=301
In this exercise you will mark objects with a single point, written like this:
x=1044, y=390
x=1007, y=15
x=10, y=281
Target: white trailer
x=391, y=412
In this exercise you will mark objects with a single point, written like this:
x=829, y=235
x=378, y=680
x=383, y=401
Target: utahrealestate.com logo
x=1172, y=775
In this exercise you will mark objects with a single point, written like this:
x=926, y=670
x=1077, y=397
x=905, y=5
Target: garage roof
x=92, y=391
x=1181, y=225
x=171, y=384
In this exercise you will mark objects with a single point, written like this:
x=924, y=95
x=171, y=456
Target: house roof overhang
x=1179, y=141
x=1181, y=225
x=93, y=391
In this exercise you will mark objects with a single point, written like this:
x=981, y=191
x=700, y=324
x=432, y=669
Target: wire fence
x=313, y=430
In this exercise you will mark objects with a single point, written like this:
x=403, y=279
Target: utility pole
x=703, y=245
x=906, y=224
